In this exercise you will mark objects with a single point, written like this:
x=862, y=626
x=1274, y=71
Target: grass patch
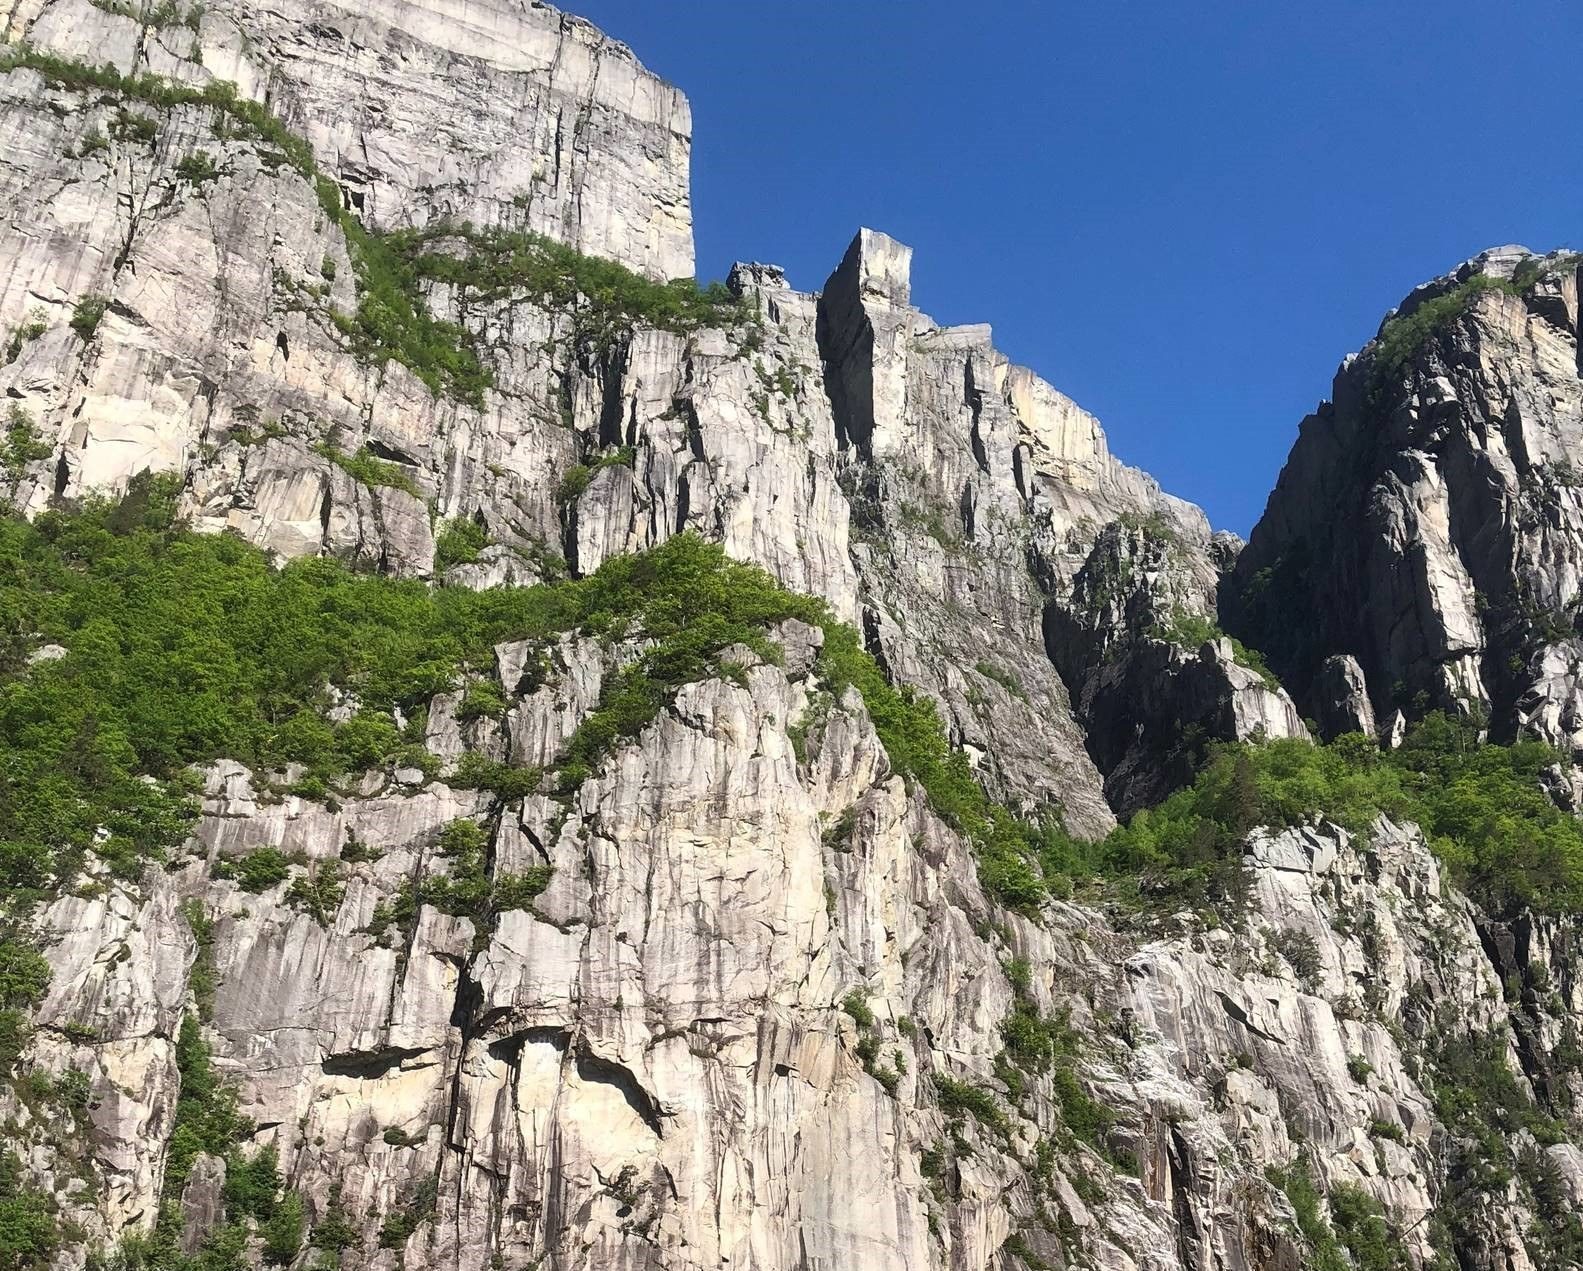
x=371, y=470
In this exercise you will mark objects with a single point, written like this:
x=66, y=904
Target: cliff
x=443, y=847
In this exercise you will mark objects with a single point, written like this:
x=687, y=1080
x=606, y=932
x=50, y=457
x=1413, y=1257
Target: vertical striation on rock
x=1427, y=514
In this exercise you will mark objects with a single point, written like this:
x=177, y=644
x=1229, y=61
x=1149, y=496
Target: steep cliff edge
x=1428, y=515
x=522, y=879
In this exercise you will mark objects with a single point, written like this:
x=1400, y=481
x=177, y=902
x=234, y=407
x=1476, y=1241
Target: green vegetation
x=87, y=314
x=577, y=477
x=30, y=1230
x=197, y=168
x=1360, y=1239
x=29, y=331
x=206, y=1117
x=372, y=471
x=1037, y=1045
x=959, y=1097
x=482, y=700
x=856, y=1005
x=400, y=1223
x=254, y=1198
x=164, y=13
x=1003, y=677
x=458, y=543
x=467, y=890
x=1482, y=807
x=202, y=979
x=258, y=870
x=319, y=892
x=392, y=321
x=604, y=299
x=1192, y=631
x=21, y=445
x=1401, y=337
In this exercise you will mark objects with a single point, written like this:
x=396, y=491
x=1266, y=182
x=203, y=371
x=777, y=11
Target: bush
x=319, y=892
x=371, y=470
x=1192, y=631
x=197, y=168
x=1003, y=677
x=87, y=314
x=282, y=1231
x=482, y=700
x=399, y=1224
x=30, y=1230
x=259, y=870
x=1482, y=807
x=22, y=445
x=1401, y=337
x=206, y=1117
x=958, y=1097
x=856, y=1005
x=606, y=299
x=459, y=543
x=24, y=976
x=29, y=331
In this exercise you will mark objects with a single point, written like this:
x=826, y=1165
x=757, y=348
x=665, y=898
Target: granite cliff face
x=763, y=1013
x=1429, y=514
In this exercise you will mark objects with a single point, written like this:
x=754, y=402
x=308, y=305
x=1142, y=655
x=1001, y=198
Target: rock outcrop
x=1428, y=519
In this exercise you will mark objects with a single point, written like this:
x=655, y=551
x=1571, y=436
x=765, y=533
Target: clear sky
x=1182, y=213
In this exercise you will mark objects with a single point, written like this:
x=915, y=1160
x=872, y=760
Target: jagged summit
x=1428, y=512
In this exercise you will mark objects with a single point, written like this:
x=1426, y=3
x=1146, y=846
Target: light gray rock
x=1427, y=523
x=661, y=1060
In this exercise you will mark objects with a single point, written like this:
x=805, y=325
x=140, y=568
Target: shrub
x=482, y=700
x=1003, y=677
x=459, y=543
x=475, y=771
x=319, y=892
x=1401, y=337
x=577, y=478
x=282, y=1231
x=371, y=470
x=958, y=1097
x=29, y=331
x=206, y=1116
x=24, y=975
x=401, y=1223
x=605, y=299
x=1482, y=807
x=197, y=168
x=856, y=1005
x=1301, y=952
x=30, y=1231
x=22, y=444
x=259, y=870
x=1193, y=631
x=87, y=314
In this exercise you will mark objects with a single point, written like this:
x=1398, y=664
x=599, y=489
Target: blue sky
x=1181, y=214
